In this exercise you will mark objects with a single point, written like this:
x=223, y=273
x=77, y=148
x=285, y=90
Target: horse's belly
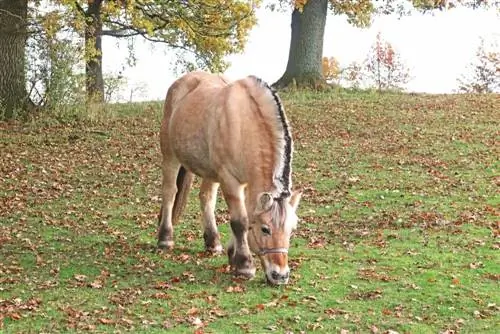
x=193, y=154
x=198, y=166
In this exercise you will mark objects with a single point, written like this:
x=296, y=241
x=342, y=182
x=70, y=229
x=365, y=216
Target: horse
x=234, y=135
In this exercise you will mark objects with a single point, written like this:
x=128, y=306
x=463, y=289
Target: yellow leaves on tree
x=358, y=12
x=201, y=31
x=51, y=24
x=331, y=68
x=299, y=5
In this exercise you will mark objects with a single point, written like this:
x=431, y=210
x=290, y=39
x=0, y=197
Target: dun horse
x=235, y=135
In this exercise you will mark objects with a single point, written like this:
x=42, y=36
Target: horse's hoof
x=167, y=245
x=242, y=265
x=216, y=250
x=245, y=272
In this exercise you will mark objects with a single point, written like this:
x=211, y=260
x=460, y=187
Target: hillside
x=399, y=224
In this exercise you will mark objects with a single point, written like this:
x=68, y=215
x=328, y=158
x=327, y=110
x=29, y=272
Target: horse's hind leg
x=169, y=190
x=238, y=252
x=208, y=199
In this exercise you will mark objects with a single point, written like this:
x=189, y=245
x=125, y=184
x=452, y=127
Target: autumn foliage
x=331, y=69
x=384, y=66
x=383, y=69
x=200, y=34
x=483, y=75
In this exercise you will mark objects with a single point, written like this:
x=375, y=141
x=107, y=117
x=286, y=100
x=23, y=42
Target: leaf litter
x=83, y=209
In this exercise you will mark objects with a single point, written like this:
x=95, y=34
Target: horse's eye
x=265, y=229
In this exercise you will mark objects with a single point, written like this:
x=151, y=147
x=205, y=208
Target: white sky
x=437, y=48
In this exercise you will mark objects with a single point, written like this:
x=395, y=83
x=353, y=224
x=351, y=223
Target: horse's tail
x=184, y=181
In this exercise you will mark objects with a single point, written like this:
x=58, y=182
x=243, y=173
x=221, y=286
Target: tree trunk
x=13, y=33
x=93, y=53
x=306, y=47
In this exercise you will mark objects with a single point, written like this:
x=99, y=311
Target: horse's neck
x=259, y=162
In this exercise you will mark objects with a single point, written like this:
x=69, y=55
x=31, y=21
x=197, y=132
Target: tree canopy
x=200, y=34
x=207, y=30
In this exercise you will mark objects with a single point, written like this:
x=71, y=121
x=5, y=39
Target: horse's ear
x=264, y=201
x=295, y=199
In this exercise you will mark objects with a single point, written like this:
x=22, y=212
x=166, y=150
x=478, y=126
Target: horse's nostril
x=279, y=277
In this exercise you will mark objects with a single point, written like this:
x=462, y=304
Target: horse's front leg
x=238, y=252
x=208, y=199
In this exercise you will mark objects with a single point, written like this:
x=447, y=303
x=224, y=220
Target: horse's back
x=187, y=94
x=189, y=83
x=209, y=124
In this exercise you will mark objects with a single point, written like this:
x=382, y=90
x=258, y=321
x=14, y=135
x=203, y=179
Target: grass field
x=399, y=226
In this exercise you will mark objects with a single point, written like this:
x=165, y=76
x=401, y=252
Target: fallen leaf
x=237, y=289
x=217, y=312
x=96, y=284
x=478, y=314
x=260, y=307
x=105, y=321
x=386, y=311
x=161, y=295
x=80, y=278
x=476, y=265
x=192, y=311
x=195, y=321
x=163, y=285
x=167, y=324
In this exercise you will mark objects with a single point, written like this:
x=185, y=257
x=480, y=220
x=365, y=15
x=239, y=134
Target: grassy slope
x=399, y=225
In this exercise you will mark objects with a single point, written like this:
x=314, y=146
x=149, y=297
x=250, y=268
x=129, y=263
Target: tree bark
x=93, y=53
x=306, y=47
x=13, y=34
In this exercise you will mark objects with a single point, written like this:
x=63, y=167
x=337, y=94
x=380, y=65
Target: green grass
x=399, y=225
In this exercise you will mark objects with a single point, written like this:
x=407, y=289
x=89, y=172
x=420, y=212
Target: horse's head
x=269, y=234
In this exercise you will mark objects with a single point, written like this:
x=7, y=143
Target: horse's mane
x=283, y=139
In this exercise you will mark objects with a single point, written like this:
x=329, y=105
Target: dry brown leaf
x=105, y=321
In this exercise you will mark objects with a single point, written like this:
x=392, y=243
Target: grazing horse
x=235, y=135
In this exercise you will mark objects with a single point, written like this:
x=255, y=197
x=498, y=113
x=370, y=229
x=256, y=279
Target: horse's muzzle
x=274, y=260
x=277, y=275
x=277, y=278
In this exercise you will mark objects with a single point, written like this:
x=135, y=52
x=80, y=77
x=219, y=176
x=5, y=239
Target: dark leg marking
x=241, y=262
x=212, y=240
x=238, y=230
